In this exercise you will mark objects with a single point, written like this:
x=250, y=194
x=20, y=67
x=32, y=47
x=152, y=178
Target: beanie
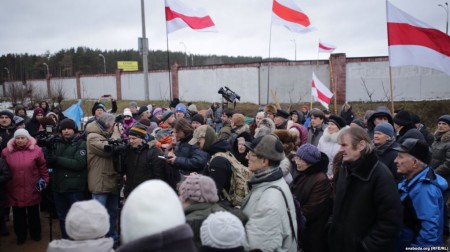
x=192, y=108
x=338, y=121
x=10, y=114
x=98, y=106
x=87, y=220
x=138, y=130
x=35, y=112
x=199, y=188
x=309, y=153
x=385, y=128
x=222, y=230
x=67, y=124
x=403, y=118
x=127, y=112
x=180, y=108
x=51, y=113
x=142, y=110
x=132, y=104
x=18, y=120
x=166, y=115
x=160, y=211
x=157, y=111
x=444, y=118
x=145, y=121
x=198, y=118
x=22, y=132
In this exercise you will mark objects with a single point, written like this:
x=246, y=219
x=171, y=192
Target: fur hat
x=282, y=113
x=166, y=115
x=199, y=188
x=160, y=211
x=22, y=132
x=403, y=118
x=180, y=108
x=309, y=153
x=138, y=130
x=67, y=124
x=385, y=128
x=98, y=106
x=268, y=146
x=338, y=121
x=222, y=230
x=417, y=148
x=444, y=118
x=87, y=220
x=157, y=111
x=198, y=118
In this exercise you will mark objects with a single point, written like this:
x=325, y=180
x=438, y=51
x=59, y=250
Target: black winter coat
x=6, y=134
x=387, y=155
x=219, y=168
x=5, y=176
x=367, y=213
x=189, y=158
x=409, y=131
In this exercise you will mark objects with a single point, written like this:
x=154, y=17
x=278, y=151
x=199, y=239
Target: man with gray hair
x=272, y=224
x=102, y=177
x=367, y=212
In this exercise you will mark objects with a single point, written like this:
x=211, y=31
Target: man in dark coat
x=367, y=212
x=7, y=127
x=405, y=127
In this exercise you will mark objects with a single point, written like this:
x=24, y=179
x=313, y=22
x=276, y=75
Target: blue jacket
x=425, y=191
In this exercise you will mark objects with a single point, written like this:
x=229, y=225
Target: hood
x=94, y=127
x=63, y=245
x=220, y=145
x=379, y=111
x=11, y=145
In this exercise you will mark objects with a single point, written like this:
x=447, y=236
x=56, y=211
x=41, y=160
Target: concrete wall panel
x=94, y=87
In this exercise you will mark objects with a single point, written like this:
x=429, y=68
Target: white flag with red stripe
x=320, y=92
x=286, y=13
x=412, y=42
x=326, y=48
x=178, y=16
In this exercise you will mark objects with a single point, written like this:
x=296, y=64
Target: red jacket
x=27, y=166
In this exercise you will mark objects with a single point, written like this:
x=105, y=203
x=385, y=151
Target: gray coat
x=440, y=160
x=314, y=134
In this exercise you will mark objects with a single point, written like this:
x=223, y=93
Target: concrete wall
x=133, y=86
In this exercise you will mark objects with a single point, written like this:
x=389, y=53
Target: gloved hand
x=51, y=160
x=40, y=185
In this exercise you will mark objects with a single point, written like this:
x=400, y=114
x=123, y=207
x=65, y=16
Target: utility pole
x=446, y=12
x=144, y=52
x=104, y=62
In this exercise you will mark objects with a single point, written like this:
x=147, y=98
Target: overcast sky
x=356, y=27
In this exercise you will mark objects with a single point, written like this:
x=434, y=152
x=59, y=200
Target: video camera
x=48, y=137
x=115, y=145
x=228, y=94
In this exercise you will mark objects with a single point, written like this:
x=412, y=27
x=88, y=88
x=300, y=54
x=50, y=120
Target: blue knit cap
x=180, y=108
x=385, y=128
x=445, y=118
x=309, y=153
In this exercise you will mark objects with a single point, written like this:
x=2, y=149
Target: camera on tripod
x=228, y=94
x=48, y=137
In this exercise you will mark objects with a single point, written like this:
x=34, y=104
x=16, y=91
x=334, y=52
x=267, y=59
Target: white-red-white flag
x=412, y=42
x=286, y=13
x=320, y=92
x=325, y=47
x=178, y=16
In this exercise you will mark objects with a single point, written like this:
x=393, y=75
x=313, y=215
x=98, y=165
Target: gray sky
x=356, y=27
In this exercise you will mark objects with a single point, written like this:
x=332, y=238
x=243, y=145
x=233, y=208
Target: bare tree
x=368, y=92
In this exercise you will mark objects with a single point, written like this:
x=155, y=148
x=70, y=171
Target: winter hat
x=403, y=118
x=192, y=108
x=166, y=115
x=359, y=122
x=338, y=121
x=98, y=106
x=309, y=153
x=415, y=118
x=9, y=114
x=174, y=102
x=18, y=120
x=222, y=230
x=417, y=148
x=145, y=121
x=204, y=131
x=51, y=113
x=444, y=118
x=127, y=112
x=160, y=211
x=180, y=108
x=138, y=130
x=198, y=118
x=267, y=146
x=35, y=112
x=142, y=110
x=132, y=104
x=67, y=124
x=157, y=111
x=282, y=113
x=385, y=128
x=150, y=108
x=199, y=188
x=270, y=108
x=87, y=220
x=22, y=132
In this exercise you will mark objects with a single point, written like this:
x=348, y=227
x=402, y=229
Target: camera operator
x=68, y=160
x=102, y=177
x=141, y=162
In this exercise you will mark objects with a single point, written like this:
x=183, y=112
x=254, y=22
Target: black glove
x=51, y=160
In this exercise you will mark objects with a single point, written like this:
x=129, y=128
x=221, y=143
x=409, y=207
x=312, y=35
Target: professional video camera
x=115, y=146
x=228, y=94
x=48, y=137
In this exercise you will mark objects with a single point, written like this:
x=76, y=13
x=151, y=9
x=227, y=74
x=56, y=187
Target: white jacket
x=328, y=144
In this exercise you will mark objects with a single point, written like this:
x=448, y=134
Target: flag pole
x=392, y=90
x=333, y=85
x=168, y=61
x=270, y=63
x=318, y=51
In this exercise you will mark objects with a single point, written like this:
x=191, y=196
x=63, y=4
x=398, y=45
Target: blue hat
x=444, y=118
x=309, y=153
x=385, y=128
x=180, y=108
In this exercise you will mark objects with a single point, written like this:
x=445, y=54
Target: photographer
x=141, y=162
x=102, y=177
x=68, y=160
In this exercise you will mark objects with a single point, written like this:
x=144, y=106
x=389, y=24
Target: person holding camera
x=102, y=176
x=29, y=176
x=68, y=160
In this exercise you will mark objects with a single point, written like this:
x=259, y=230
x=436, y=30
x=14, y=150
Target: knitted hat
x=142, y=110
x=192, y=108
x=338, y=121
x=127, y=112
x=309, y=153
x=35, y=112
x=133, y=104
x=385, y=128
x=166, y=115
x=199, y=188
x=403, y=118
x=67, y=124
x=222, y=230
x=51, y=113
x=18, y=120
x=87, y=220
x=417, y=148
x=157, y=111
x=268, y=146
x=282, y=113
x=198, y=118
x=22, y=132
x=145, y=121
x=98, y=106
x=160, y=211
x=10, y=114
x=359, y=122
x=180, y=108
x=138, y=130
x=444, y=118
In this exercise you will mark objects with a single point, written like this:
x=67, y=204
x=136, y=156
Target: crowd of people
x=175, y=179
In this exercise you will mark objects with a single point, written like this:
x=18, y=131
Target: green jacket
x=69, y=172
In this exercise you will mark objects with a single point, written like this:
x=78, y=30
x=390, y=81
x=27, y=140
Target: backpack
x=239, y=178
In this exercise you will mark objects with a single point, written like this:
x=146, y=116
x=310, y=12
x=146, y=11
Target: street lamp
x=185, y=54
x=104, y=62
x=446, y=12
x=46, y=66
x=7, y=70
x=295, y=49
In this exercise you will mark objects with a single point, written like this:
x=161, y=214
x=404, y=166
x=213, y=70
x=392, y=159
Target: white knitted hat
x=222, y=230
x=22, y=132
x=87, y=220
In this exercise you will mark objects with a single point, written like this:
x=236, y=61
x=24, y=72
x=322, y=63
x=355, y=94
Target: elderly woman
x=313, y=189
x=29, y=177
x=384, y=141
